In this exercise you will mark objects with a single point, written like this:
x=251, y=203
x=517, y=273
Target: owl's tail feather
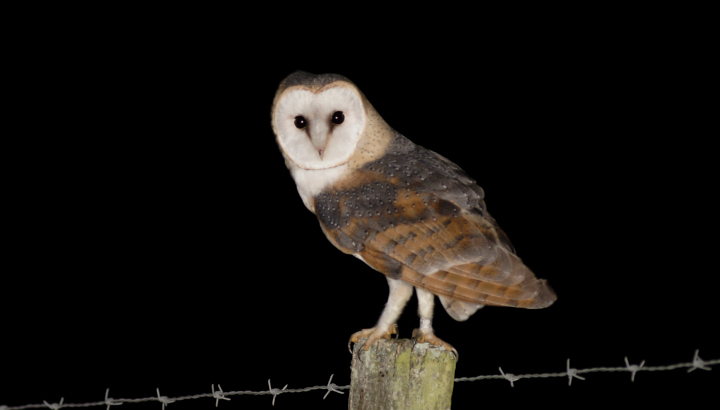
x=530, y=294
x=459, y=310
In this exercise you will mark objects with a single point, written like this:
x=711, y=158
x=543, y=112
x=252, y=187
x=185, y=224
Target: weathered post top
x=398, y=374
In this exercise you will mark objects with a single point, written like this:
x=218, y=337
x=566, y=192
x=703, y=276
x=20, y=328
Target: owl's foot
x=427, y=336
x=373, y=334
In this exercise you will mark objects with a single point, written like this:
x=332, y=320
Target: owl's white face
x=319, y=130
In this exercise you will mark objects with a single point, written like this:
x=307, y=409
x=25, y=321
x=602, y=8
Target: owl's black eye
x=300, y=121
x=338, y=117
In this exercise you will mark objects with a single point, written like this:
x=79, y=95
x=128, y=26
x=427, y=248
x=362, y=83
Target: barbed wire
x=219, y=394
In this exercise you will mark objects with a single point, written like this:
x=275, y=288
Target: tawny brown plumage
x=434, y=244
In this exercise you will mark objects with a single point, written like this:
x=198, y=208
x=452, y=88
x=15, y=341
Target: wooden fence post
x=394, y=374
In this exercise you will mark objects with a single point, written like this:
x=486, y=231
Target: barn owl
x=404, y=210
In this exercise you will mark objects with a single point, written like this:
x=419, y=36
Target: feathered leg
x=425, y=334
x=400, y=293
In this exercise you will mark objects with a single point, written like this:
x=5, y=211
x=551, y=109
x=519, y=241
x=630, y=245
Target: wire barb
x=275, y=392
x=55, y=406
x=509, y=377
x=572, y=373
x=698, y=363
x=109, y=401
x=163, y=399
x=633, y=368
x=218, y=395
x=332, y=387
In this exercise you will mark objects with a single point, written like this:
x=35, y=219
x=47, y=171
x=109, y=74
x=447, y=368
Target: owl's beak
x=319, y=144
x=319, y=136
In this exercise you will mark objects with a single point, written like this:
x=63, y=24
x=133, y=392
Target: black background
x=155, y=239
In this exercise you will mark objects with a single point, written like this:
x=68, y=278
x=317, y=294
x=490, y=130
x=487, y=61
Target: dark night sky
x=157, y=240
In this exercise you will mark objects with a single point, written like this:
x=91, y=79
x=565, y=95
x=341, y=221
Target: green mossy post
x=394, y=374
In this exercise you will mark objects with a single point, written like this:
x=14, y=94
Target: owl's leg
x=400, y=293
x=425, y=333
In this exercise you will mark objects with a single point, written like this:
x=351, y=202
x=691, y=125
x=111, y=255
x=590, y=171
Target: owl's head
x=318, y=119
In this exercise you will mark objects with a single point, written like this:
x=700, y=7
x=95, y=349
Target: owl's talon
x=373, y=334
x=427, y=336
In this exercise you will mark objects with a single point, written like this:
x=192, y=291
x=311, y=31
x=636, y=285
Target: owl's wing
x=456, y=257
x=428, y=226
